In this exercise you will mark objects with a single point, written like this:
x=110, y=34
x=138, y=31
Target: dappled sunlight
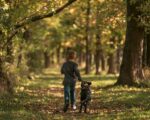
x=43, y=98
x=46, y=45
x=53, y=72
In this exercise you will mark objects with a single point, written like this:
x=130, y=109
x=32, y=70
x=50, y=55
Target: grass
x=42, y=99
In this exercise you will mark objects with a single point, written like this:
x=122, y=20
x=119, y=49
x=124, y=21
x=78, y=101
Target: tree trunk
x=98, y=43
x=91, y=60
x=144, y=62
x=10, y=58
x=132, y=54
x=146, y=50
x=97, y=57
x=103, y=66
x=58, y=55
x=87, y=68
x=80, y=57
x=97, y=65
x=111, y=57
x=2, y=77
x=46, y=59
x=111, y=64
x=118, y=58
x=52, y=61
x=5, y=81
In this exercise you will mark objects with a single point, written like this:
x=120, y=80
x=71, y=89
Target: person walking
x=71, y=74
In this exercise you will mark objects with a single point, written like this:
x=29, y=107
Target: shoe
x=74, y=107
x=66, y=107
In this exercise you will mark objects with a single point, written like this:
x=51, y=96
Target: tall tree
x=98, y=42
x=87, y=68
x=132, y=54
x=13, y=20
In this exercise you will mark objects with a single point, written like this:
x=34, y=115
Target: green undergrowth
x=42, y=99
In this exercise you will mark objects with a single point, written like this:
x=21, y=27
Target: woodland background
x=112, y=41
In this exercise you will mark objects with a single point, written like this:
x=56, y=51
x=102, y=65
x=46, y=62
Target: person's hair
x=71, y=55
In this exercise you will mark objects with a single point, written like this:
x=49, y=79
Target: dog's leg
x=80, y=108
x=85, y=107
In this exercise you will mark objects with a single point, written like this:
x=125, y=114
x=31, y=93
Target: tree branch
x=9, y=38
x=36, y=18
x=39, y=17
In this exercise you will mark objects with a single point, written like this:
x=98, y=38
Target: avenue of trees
x=111, y=36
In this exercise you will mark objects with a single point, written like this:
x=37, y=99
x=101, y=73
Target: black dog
x=85, y=95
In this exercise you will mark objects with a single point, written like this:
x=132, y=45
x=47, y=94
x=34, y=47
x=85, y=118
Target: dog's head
x=85, y=85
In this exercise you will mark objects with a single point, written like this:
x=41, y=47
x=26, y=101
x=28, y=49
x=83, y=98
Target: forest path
x=42, y=99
